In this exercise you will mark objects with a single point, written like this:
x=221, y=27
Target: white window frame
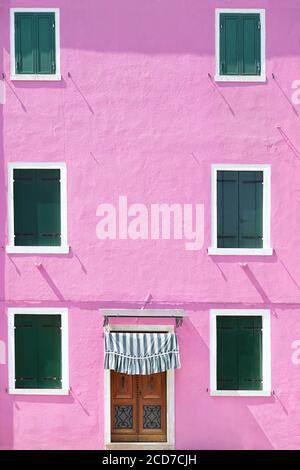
x=13, y=74
x=241, y=78
x=266, y=351
x=63, y=312
x=266, y=250
x=170, y=444
x=64, y=247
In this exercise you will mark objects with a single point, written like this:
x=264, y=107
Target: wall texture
x=136, y=114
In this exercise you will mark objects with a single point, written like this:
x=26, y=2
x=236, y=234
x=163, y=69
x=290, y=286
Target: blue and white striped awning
x=141, y=353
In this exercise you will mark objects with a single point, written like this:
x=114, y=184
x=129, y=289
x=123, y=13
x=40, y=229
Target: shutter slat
x=25, y=43
x=251, y=209
x=25, y=220
x=227, y=359
x=26, y=353
x=229, y=44
x=227, y=209
x=251, y=44
x=48, y=208
x=45, y=43
x=49, y=341
x=250, y=353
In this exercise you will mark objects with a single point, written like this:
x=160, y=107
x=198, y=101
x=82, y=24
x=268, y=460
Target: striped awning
x=141, y=353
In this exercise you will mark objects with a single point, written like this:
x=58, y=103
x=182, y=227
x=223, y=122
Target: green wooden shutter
x=227, y=353
x=25, y=220
x=45, y=27
x=239, y=353
x=250, y=209
x=251, y=45
x=250, y=353
x=25, y=53
x=227, y=209
x=35, y=43
x=26, y=351
x=49, y=346
x=229, y=44
x=48, y=207
x=37, y=214
x=240, y=44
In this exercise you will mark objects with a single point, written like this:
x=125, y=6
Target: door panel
x=123, y=407
x=138, y=407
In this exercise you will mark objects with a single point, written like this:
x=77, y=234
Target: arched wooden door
x=138, y=408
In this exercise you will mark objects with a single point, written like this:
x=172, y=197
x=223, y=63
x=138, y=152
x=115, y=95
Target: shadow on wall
x=218, y=422
x=160, y=27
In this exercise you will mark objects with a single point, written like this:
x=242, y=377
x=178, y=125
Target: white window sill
x=240, y=78
x=240, y=251
x=38, y=249
x=139, y=446
x=240, y=393
x=25, y=77
x=38, y=391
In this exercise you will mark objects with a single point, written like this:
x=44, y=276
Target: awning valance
x=141, y=353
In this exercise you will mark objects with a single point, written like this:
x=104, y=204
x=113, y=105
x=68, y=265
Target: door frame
x=170, y=396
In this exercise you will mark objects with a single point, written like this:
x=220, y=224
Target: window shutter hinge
x=259, y=25
x=53, y=25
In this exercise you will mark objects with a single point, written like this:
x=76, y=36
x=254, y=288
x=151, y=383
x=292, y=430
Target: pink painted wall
x=137, y=105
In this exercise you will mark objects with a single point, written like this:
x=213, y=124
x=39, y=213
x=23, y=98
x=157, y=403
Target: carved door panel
x=138, y=407
x=152, y=407
x=123, y=407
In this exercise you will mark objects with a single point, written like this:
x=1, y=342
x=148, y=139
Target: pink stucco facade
x=136, y=114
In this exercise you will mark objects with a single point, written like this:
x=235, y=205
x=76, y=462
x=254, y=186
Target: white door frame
x=170, y=444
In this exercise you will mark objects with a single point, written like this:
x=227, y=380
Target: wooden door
x=138, y=407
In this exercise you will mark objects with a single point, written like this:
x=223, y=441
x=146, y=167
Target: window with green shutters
x=37, y=207
x=240, y=44
x=38, y=351
x=35, y=48
x=239, y=353
x=240, y=209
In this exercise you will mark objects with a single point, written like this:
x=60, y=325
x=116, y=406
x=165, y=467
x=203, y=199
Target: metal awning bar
x=178, y=314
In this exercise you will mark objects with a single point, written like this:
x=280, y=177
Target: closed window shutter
x=240, y=44
x=251, y=45
x=37, y=214
x=26, y=351
x=229, y=44
x=227, y=353
x=49, y=347
x=239, y=353
x=227, y=209
x=35, y=43
x=25, y=54
x=250, y=353
x=25, y=220
x=251, y=209
x=48, y=207
x=45, y=27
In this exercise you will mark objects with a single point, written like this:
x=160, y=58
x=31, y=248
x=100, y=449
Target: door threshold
x=139, y=446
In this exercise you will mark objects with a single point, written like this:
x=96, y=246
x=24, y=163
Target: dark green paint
x=35, y=43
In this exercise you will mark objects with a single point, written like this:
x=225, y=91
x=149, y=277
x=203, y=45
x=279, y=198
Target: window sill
x=139, y=446
x=42, y=77
x=38, y=249
x=240, y=251
x=38, y=391
x=240, y=393
x=240, y=78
